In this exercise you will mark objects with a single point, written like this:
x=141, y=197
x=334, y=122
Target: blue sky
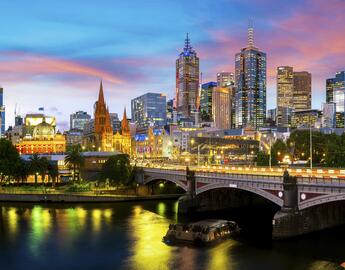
x=53, y=54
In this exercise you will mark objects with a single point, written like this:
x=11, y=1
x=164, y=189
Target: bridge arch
x=173, y=180
x=262, y=193
x=324, y=199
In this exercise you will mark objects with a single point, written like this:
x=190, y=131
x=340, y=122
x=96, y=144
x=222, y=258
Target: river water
x=128, y=236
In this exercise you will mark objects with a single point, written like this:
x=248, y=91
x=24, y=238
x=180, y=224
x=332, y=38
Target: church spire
x=101, y=95
x=125, y=130
x=250, y=35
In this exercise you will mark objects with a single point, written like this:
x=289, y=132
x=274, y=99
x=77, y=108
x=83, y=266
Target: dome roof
x=43, y=130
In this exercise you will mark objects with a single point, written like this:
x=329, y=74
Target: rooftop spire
x=187, y=43
x=250, y=34
x=101, y=95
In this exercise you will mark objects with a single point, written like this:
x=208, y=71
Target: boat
x=202, y=232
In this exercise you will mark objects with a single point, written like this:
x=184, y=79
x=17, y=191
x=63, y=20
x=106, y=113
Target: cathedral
x=100, y=135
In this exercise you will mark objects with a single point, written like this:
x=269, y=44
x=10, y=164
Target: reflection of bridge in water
x=307, y=203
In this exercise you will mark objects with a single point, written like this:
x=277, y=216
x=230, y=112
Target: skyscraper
x=187, y=80
x=221, y=107
x=79, y=119
x=336, y=83
x=149, y=110
x=250, y=82
x=2, y=113
x=225, y=79
x=284, y=95
x=301, y=91
x=206, y=100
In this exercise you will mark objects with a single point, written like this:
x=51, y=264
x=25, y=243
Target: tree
x=117, y=169
x=75, y=160
x=53, y=172
x=9, y=160
x=23, y=171
x=278, y=150
x=38, y=166
x=262, y=159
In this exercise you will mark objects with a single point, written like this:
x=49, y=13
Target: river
x=128, y=236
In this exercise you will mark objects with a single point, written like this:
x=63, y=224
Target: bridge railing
x=321, y=181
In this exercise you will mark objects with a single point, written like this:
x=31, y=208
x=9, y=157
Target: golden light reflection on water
x=148, y=229
x=220, y=256
x=96, y=220
x=40, y=225
x=12, y=219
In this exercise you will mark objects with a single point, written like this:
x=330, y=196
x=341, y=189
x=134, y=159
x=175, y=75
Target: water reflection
x=147, y=229
x=129, y=236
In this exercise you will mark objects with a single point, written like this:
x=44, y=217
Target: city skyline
x=67, y=53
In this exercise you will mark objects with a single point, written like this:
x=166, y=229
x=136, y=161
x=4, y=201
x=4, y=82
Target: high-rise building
x=271, y=117
x=79, y=119
x=328, y=115
x=149, y=110
x=285, y=85
x=187, y=80
x=206, y=100
x=116, y=122
x=2, y=113
x=301, y=91
x=338, y=82
x=250, y=82
x=170, y=111
x=225, y=79
x=221, y=107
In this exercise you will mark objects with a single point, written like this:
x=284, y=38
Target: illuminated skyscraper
x=149, y=110
x=222, y=107
x=207, y=90
x=2, y=113
x=301, y=91
x=336, y=83
x=225, y=79
x=284, y=95
x=187, y=80
x=250, y=83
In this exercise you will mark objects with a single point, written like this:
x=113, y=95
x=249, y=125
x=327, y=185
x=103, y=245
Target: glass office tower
x=250, y=82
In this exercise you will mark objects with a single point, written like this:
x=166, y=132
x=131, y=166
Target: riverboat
x=202, y=232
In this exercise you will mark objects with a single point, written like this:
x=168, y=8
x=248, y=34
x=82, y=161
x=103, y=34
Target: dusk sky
x=53, y=54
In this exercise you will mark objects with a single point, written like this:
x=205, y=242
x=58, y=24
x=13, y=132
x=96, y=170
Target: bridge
x=296, y=194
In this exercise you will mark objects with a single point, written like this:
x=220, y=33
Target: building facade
x=103, y=129
x=149, y=109
x=222, y=107
x=225, y=79
x=301, y=90
x=328, y=115
x=122, y=140
x=285, y=86
x=207, y=90
x=338, y=82
x=78, y=120
x=2, y=113
x=250, y=82
x=187, y=80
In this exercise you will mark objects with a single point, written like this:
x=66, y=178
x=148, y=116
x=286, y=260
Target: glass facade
x=79, y=119
x=2, y=113
x=284, y=95
x=250, y=82
x=301, y=91
x=338, y=82
x=187, y=80
x=206, y=101
x=225, y=79
x=149, y=110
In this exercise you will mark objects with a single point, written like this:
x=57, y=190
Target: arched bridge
x=309, y=191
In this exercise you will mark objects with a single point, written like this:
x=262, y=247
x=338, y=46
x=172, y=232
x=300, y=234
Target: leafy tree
x=53, y=172
x=9, y=160
x=23, y=171
x=38, y=166
x=117, y=169
x=75, y=160
x=278, y=151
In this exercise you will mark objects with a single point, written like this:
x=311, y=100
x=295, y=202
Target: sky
x=53, y=54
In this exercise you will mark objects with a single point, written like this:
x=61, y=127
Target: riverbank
x=79, y=198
